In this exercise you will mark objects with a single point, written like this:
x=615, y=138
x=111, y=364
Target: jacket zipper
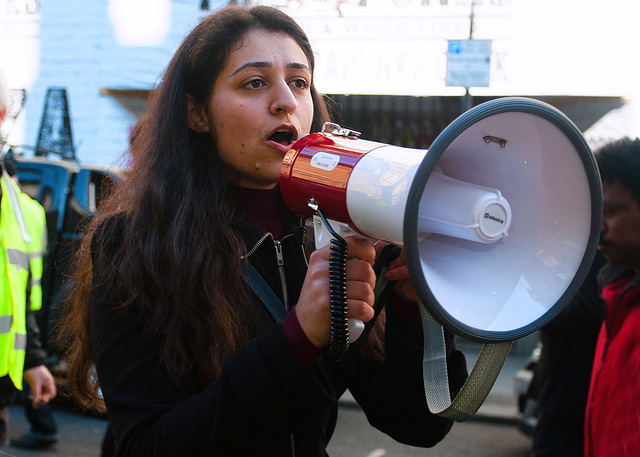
x=280, y=260
x=285, y=299
x=256, y=246
x=283, y=284
x=283, y=279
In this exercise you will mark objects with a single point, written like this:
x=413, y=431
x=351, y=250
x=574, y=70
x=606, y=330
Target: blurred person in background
x=43, y=432
x=563, y=372
x=21, y=353
x=612, y=427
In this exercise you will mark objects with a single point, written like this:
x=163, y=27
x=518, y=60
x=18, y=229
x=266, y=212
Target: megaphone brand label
x=325, y=161
x=493, y=218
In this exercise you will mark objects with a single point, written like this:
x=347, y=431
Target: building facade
x=386, y=64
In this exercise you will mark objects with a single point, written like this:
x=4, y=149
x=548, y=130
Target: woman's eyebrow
x=260, y=64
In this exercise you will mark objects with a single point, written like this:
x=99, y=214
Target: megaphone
x=499, y=219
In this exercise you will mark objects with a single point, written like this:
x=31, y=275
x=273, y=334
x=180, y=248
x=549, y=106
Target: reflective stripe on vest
x=36, y=224
x=5, y=324
x=14, y=279
x=17, y=258
x=11, y=190
x=20, y=343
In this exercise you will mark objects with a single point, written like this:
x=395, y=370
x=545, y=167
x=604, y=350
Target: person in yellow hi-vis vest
x=43, y=429
x=20, y=351
x=37, y=228
x=36, y=223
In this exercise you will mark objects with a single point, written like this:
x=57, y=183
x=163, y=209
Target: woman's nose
x=283, y=99
x=603, y=226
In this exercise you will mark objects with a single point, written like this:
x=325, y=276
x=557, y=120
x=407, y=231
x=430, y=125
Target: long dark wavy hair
x=176, y=244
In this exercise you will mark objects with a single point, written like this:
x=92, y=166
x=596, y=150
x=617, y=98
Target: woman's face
x=261, y=103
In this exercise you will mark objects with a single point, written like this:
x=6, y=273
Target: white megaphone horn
x=499, y=221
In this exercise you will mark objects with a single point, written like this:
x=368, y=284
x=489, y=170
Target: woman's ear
x=197, y=116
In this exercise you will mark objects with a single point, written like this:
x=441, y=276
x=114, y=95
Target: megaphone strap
x=436, y=382
x=267, y=296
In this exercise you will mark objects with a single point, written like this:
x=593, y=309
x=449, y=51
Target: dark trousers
x=41, y=420
x=4, y=425
x=555, y=436
x=8, y=393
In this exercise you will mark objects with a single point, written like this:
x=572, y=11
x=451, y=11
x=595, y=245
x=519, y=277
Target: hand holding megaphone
x=314, y=306
x=326, y=232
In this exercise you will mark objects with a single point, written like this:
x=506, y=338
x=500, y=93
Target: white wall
x=79, y=50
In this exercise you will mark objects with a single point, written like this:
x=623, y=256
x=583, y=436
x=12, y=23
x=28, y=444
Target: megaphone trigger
x=356, y=328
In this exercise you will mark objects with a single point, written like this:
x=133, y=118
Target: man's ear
x=197, y=116
x=3, y=113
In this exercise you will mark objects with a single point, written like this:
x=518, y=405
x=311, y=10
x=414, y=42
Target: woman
x=189, y=360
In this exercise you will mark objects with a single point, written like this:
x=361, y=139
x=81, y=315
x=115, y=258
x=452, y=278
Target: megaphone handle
x=338, y=295
x=343, y=329
x=436, y=382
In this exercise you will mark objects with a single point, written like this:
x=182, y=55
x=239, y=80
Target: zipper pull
x=278, y=246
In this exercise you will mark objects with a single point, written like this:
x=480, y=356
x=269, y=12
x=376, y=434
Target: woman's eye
x=255, y=84
x=300, y=83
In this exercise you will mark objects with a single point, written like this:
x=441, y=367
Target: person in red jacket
x=612, y=427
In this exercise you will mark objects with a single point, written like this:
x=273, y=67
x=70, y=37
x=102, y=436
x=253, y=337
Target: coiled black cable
x=338, y=295
x=337, y=290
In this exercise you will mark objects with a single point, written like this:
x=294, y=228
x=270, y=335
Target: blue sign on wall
x=468, y=63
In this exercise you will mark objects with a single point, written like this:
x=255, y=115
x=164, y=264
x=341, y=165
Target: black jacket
x=568, y=346
x=266, y=400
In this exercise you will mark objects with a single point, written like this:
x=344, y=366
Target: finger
x=379, y=246
x=398, y=262
x=320, y=254
x=360, y=249
x=36, y=399
x=360, y=290
x=359, y=309
x=45, y=397
x=398, y=273
x=36, y=389
x=50, y=391
x=358, y=270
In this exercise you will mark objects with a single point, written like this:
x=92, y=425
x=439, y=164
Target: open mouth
x=283, y=137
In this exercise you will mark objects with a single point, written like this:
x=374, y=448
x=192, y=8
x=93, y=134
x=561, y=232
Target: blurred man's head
x=4, y=95
x=619, y=164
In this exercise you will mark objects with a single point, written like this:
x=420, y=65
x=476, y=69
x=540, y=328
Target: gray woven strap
x=436, y=381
